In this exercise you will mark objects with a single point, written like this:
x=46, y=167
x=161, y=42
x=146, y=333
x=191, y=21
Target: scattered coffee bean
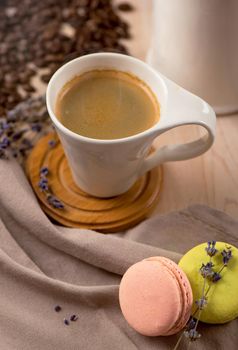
x=10, y=11
x=28, y=88
x=31, y=31
x=126, y=7
x=58, y=308
x=73, y=318
x=66, y=322
x=45, y=78
x=1, y=111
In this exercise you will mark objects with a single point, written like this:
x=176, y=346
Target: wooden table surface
x=210, y=179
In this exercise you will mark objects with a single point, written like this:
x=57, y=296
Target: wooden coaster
x=80, y=209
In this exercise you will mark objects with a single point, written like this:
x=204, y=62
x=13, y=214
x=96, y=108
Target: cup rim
x=86, y=139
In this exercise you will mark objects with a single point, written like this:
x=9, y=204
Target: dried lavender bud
x=201, y=303
x=210, y=249
x=43, y=180
x=192, y=334
x=226, y=255
x=17, y=135
x=4, y=143
x=52, y=143
x=191, y=324
x=4, y=125
x=37, y=127
x=11, y=116
x=43, y=184
x=73, y=318
x=215, y=277
x=17, y=124
x=58, y=308
x=206, y=270
x=55, y=202
x=44, y=171
x=66, y=322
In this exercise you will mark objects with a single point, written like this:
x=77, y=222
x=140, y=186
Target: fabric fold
x=43, y=265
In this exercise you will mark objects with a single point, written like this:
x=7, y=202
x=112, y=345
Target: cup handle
x=183, y=108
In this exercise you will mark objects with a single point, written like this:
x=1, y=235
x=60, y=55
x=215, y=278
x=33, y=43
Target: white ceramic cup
x=106, y=168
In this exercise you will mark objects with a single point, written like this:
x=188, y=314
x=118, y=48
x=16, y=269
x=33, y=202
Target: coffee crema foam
x=107, y=104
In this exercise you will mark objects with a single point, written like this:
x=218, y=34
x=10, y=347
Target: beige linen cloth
x=42, y=265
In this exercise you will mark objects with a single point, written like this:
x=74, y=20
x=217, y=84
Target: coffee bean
x=10, y=11
x=125, y=6
x=2, y=110
x=46, y=77
x=84, y=3
x=3, y=48
x=10, y=78
x=23, y=79
x=20, y=58
x=14, y=97
x=55, y=46
x=49, y=33
x=71, y=56
x=40, y=62
x=28, y=88
x=94, y=4
x=53, y=67
x=66, y=46
x=81, y=12
x=32, y=32
x=67, y=13
x=29, y=72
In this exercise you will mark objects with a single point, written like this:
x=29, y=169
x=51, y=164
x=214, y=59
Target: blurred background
x=37, y=37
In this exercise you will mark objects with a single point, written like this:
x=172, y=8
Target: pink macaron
x=156, y=297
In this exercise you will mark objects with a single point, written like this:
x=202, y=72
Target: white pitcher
x=195, y=43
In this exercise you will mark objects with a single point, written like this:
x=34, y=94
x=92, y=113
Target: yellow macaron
x=222, y=297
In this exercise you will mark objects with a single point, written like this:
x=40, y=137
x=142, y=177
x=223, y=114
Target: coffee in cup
x=107, y=104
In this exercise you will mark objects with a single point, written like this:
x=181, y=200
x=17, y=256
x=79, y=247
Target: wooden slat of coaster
x=81, y=209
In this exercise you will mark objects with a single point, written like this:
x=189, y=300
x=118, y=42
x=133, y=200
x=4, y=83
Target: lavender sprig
x=191, y=324
x=201, y=303
x=192, y=334
x=54, y=202
x=210, y=249
x=21, y=128
x=45, y=188
x=206, y=270
x=209, y=276
x=226, y=254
